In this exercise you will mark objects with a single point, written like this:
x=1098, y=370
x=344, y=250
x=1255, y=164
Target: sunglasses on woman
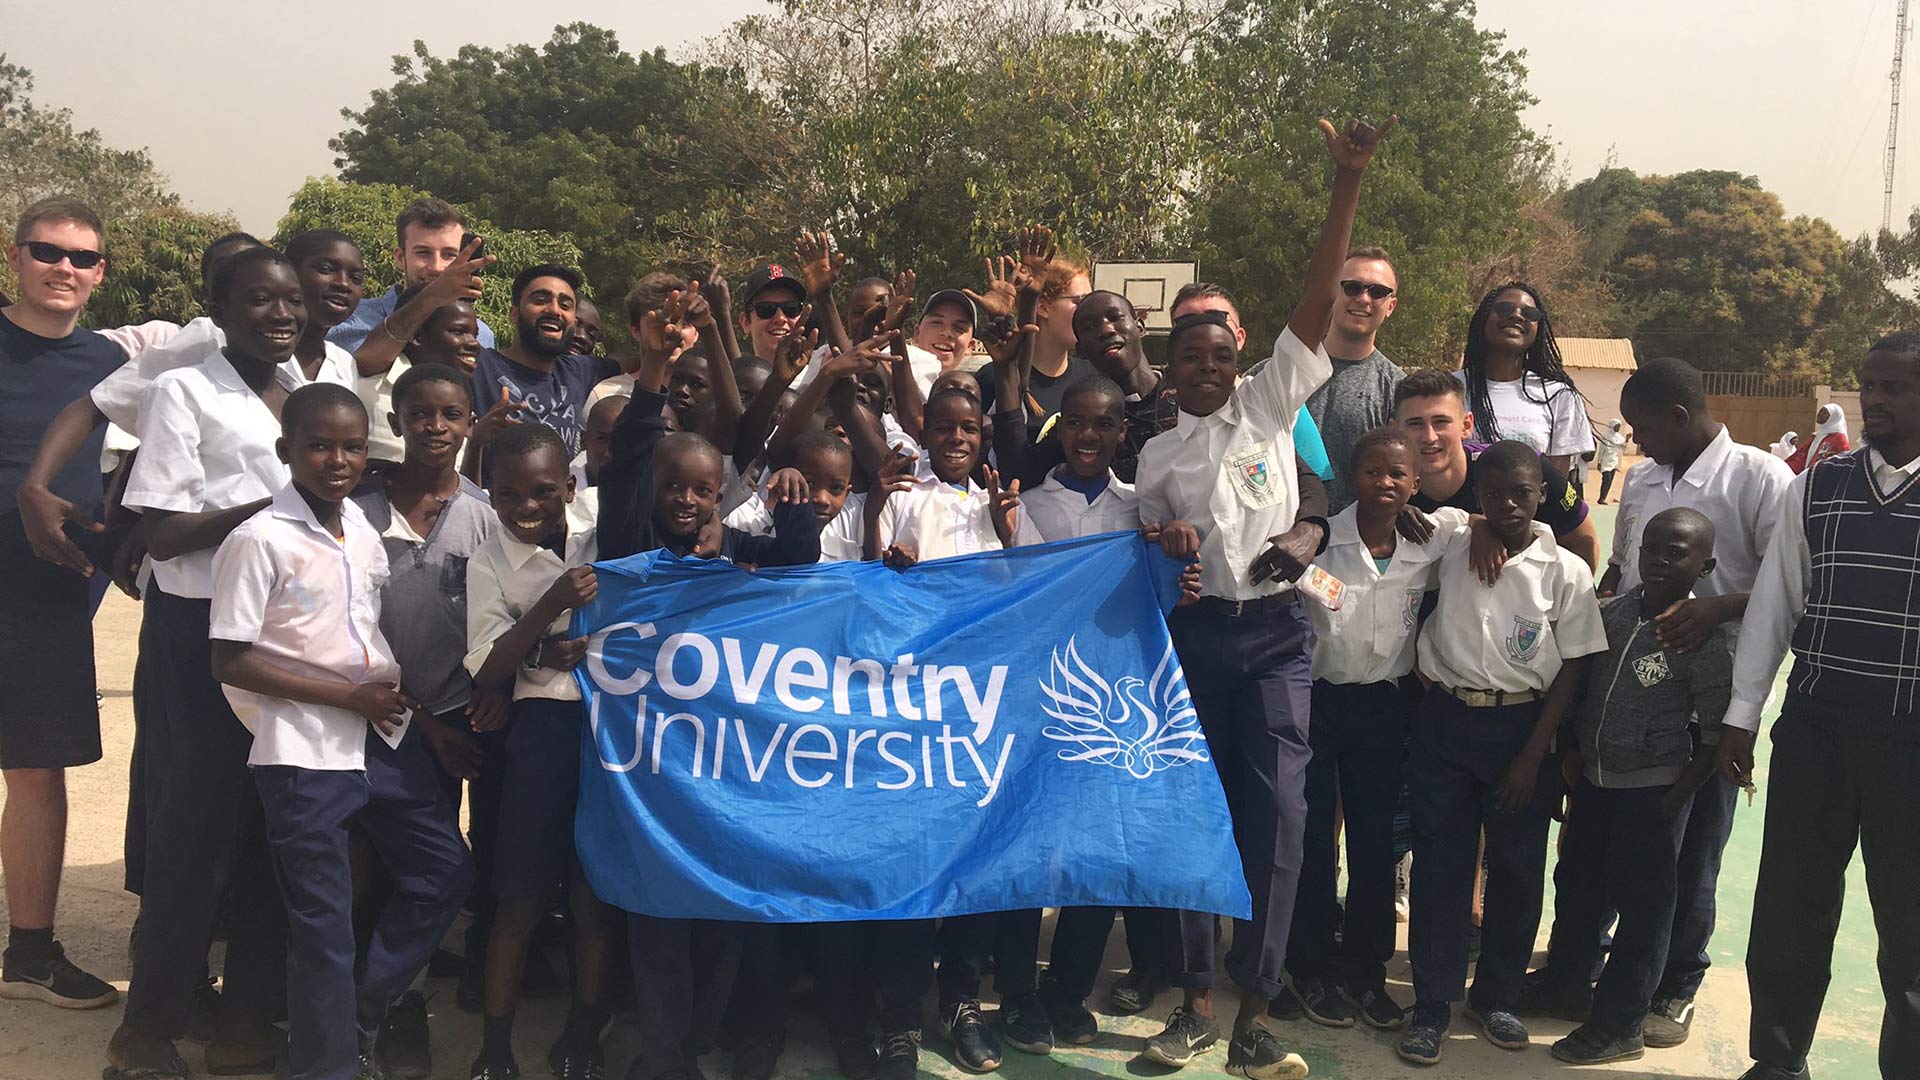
x=767, y=309
x=1506, y=308
x=1373, y=289
x=51, y=254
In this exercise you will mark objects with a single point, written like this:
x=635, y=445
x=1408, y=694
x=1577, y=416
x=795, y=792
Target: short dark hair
x=948, y=392
x=1095, y=386
x=1384, y=435
x=1203, y=290
x=539, y=270
x=684, y=443
x=228, y=268
x=426, y=373
x=428, y=212
x=1666, y=381
x=305, y=245
x=1689, y=519
x=56, y=209
x=1426, y=384
x=1904, y=342
x=526, y=439
x=819, y=441
x=313, y=399
x=213, y=253
x=1510, y=455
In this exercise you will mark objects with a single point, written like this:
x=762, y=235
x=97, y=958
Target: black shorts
x=540, y=786
x=48, y=716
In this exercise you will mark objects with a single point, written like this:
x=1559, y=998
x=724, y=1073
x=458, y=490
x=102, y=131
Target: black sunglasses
x=51, y=254
x=767, y=309
x=1372, y=288
x=1506, y=308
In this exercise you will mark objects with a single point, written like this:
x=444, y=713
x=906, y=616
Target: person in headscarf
x=1829, y=438
x=1607, y=449
x=1783, y=447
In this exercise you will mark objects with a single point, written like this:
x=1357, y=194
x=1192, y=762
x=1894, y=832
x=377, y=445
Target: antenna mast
x=1893, y=114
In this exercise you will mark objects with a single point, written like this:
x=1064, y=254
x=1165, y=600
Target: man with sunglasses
x=771, y=301
x=1359, y=397
x=49, y=721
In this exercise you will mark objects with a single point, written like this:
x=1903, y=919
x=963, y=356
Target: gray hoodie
x=1640, y=696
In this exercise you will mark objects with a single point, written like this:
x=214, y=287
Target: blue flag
x=847, y=741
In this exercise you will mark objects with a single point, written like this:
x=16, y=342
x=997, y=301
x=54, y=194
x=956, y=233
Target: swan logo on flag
x=1141, y=726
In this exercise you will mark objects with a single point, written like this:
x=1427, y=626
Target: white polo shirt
x=206, y=443
x=1054, y=511
x=1231, y=474
x=505, y=578
x=939, y=520
x=1739, y=488
x=308, y=603
x=840, y=541
x=1371, y=638
x=1516, y=635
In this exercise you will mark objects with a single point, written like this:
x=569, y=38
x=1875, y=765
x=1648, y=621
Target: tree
x=41, y=154
x=154, y=269
x=366, y=212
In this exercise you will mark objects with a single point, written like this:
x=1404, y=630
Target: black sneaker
x=853, y=1055
x=576, y=1062
x=1588, y=1045
x=1186, y=1035
x=1377, y=1009
x=1072, y=1022
x=1024, y=1023
x=1323, y=1004
x=1257, y=1055
x=370, y=1069
x=899, y=1057
x=1774, y=1072
x=1285, y=1005
x=757, y=1058
x=135, y=1055
x=52, y=978
x=1134, y=992
x=493, y=1070
x=1551, y=997
x=1502, y=1028
x=1668, y=1023
x=1426, y=1035
x=975, y=1047
x=402, y=1047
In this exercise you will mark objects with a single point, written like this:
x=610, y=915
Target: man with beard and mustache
x=536, y=379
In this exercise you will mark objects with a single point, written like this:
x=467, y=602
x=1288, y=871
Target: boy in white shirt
x=1082, y=497
x=1499, y=662
x=1361, y=717
x=826, y=464
x=943, y=512
x=520, y=588
x=297, y=643
x=1221, y=485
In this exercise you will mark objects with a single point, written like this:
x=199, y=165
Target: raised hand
x=1353, y=148
x=902, y=301
x=718, y=294
x=694, y=309
x=1006, y=349
x=498, y=416
x=662, y=330
x=896, y=474
x=1037, y=251
x=787, y=486
x=1002, y=287
x=1004, y=505
x=820, y=264
x=796, y=348
x=867, y=356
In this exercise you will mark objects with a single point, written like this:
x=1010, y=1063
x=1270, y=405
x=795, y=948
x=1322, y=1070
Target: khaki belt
x=1491, y=699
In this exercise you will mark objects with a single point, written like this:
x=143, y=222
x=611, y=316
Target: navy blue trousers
x=1618, y=852
x=1011, y=938
x=399, y=807
x=683, y=976
x=1251, y=683
x=1359, y=741
x=1460, y=754
x=1080, y=946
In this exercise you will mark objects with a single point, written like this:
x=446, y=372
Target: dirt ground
x=41, y=1043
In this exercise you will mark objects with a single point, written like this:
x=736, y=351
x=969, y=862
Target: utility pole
x=1893, y=114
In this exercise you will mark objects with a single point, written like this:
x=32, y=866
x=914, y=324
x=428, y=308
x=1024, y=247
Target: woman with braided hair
x=1516, y=386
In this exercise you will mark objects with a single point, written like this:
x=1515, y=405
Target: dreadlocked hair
x=1542, y=358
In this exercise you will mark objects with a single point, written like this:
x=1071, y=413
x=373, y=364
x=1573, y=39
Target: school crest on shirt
x=1412, y=614
x=1251, y=471
x=1524, y=642
x=1652, y=668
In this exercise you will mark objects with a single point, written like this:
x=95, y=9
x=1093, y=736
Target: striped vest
x=1857, y=645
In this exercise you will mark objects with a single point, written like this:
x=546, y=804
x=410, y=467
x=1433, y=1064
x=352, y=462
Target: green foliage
x=366, y=212
x=154, y=272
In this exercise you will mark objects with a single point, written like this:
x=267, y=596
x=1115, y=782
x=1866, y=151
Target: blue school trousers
x=1460, y=754
x=1358, y=739
x=1080, y=947
x=683, y=975
x=1010, y=938
x=401, y=810
x=1247, y=667
x=1618, y=852
x=1709, y=825
x=536, y=789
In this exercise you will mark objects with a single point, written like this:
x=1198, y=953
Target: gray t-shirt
x=423, y=607
x=1357, y=399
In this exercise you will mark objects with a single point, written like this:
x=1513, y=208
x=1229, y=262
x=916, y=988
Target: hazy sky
x=237, y=100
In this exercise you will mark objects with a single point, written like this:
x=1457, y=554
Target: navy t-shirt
x=557, y=399
x=39, y=377
x=1561, y=507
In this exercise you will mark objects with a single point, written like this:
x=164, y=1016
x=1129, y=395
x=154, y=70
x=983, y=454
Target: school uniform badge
x=1251, y=471
x=1652, y=668
x=1524, y=641
x=1412, y=614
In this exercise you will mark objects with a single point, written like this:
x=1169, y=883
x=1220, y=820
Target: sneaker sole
x=26, y=991
x=1154, y=1053
x=1392, y=1025
x=1415, y=1059
x=1325, y=1021
x=1629, y=1055
x=1488, y=1035
x=1662, y=1042
x=1291, y=1067
x=1038, y=1049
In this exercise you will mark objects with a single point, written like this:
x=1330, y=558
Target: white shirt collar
x=1878, y=461
x=1708, y=463
x=1188, y=423
x=519, y=552
x=289, y=504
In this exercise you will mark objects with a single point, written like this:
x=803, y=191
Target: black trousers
x=204, y=833
x=861, y=962
x=1836, y=781
x=1359, y=741
x=1460, y=754
x=1011, y=938
x=1251, y=682
x=683, y=975
x=1620, y=852
x=1080, y=945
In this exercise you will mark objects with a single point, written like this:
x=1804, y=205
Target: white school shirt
x=505, y=578
x=840, y=541
x=1231, y=475
x=938, y=519
x=1371, y=638
x=1054, y=511
x=119, y=395
x=376, y=393
x=1780, y=594
x=1516, y=635
x=309, y=604
x=206, y=443
x=1551, y=417
x=1738, y=487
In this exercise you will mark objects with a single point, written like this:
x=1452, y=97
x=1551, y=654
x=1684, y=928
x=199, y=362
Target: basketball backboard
x=1150, y=285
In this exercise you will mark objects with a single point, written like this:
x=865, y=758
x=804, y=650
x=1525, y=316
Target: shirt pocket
x=453, y=578
x=1252, y=473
